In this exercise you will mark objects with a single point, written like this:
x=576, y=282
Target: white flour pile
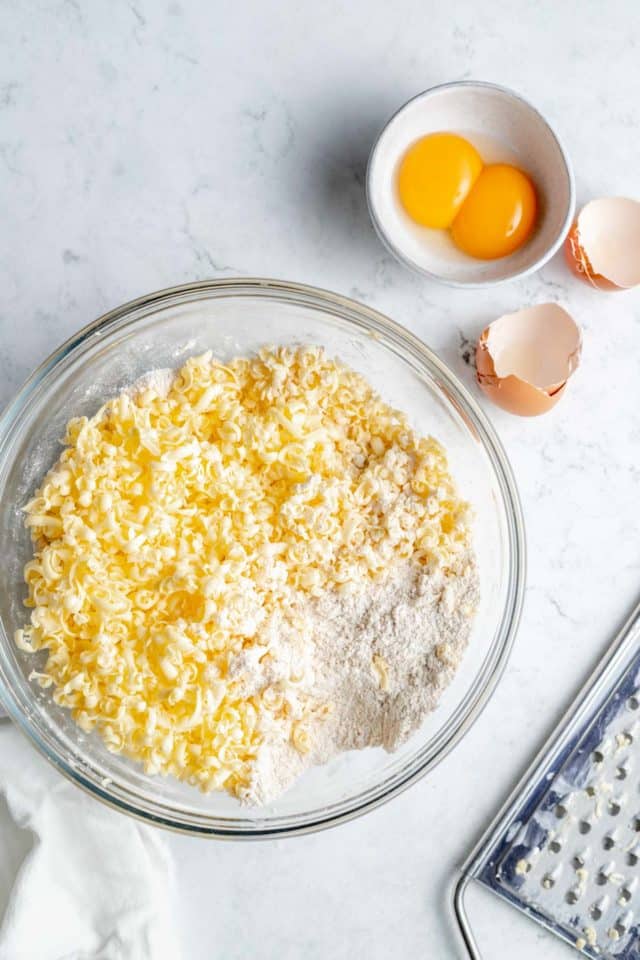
x=380, y=656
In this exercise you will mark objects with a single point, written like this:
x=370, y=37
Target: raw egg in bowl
x=468, y=184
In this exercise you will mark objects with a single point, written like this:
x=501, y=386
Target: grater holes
x=635, y=823
x=614, y=808
x=522, y=867
x=633, y=702
x=560, y=811
x=632, y=859
x=601, y=878
x=608, y=842
x=590, y=791
x=572, y=896
x=598, y=757
x=621, y=773
x=624, y=896
x=617, y=930
x=555, y=846
x=578, y=862
x=595, y=912
x=547, y=882
x=584, y=826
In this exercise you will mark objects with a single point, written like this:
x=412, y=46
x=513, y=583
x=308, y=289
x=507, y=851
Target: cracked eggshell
x=603, y=246
x=524, y=359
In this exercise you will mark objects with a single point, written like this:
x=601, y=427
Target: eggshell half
x=603, y=246
x=524, y=359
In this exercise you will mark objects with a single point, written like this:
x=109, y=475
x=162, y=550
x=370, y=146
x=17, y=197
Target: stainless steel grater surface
x=565, y=849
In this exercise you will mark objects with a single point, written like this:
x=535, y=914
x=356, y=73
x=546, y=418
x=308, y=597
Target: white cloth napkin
x=83, y=882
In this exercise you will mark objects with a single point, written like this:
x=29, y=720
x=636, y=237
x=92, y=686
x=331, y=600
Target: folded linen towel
x=84, y=882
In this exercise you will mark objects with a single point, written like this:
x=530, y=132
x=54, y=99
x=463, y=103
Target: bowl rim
x=495, y=661
x=403, y=258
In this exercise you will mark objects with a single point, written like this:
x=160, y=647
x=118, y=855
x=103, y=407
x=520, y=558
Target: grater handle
x=462, y=917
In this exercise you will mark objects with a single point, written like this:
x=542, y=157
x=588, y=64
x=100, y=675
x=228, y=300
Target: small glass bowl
x=234, y=317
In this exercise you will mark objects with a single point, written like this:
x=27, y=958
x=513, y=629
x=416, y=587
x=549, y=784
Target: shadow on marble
x=340, y=185
x=16, y=844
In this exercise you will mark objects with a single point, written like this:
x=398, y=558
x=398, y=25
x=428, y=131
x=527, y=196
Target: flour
x=380, y=655
x=159, y=380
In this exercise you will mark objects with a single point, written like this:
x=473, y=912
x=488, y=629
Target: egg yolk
x=435, y=176
x=498, y=215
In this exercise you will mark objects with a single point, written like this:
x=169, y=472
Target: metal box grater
x=565, y=848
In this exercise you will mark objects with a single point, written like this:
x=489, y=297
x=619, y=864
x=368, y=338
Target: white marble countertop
x=145, y=144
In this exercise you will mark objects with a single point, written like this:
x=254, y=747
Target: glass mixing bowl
x=234, y=317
